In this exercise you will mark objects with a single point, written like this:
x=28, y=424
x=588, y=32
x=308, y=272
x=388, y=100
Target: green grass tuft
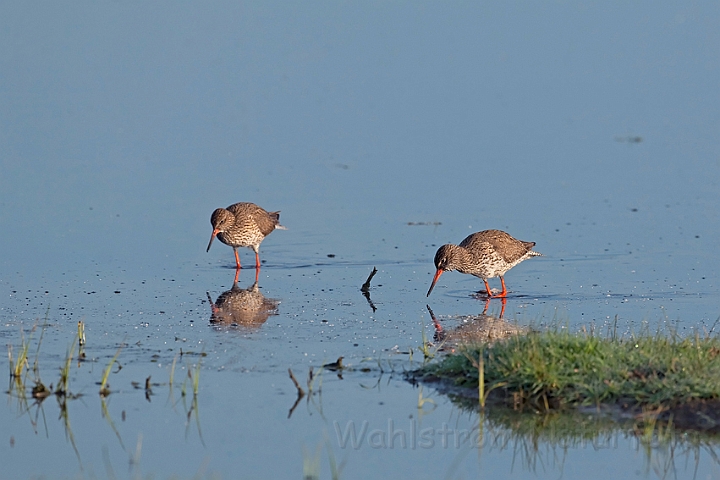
x=556, y=369
x=104, y=388
x=64, y=382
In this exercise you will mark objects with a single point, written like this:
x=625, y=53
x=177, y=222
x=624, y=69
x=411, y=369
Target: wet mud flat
x=195, y=387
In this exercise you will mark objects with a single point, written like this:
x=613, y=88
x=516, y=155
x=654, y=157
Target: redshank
x=486, y=254
x=243, y=225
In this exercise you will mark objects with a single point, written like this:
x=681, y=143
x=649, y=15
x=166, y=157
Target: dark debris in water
x=629, y=139
x=336, y=365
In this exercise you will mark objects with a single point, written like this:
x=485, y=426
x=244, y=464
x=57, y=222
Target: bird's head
x=443, y=263
x=444, y=258
x=221, y=220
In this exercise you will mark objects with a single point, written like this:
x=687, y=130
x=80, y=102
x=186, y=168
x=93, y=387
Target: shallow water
x=380, y=132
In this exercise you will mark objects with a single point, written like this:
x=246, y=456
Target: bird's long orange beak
x=435, y=279
x=212, y=237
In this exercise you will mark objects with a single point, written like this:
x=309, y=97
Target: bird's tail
x=276, y=217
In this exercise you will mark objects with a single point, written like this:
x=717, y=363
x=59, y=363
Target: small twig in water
x=365, y=289
x=366, y=286
x=301, y=392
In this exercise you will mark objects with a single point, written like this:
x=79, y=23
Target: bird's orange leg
x=487, y=287
x=257, y=260
x=502, y=294
x=237, y=259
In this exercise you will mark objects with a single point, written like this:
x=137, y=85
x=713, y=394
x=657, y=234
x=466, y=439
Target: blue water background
x=592, y=129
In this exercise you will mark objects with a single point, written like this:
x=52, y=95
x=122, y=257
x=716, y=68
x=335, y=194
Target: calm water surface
x=381, y=131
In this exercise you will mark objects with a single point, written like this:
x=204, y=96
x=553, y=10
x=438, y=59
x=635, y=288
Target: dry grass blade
x=81, y=333
x=22, y=360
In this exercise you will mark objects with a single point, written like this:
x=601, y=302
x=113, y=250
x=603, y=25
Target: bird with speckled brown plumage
x=486, y=254
x=243, y=225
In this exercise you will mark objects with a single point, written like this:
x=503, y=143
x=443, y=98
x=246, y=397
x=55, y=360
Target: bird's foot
x=498, y=295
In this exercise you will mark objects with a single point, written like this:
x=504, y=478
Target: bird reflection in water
x=244, y=307
x=483, y=328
